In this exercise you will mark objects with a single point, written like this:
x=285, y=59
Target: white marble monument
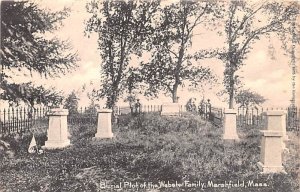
x=230, y=132
x=276, y=121
x=58, y=129
x=272, y=143
x=104, y=129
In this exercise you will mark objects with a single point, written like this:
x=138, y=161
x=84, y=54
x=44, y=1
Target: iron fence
x=20, y=120
x=86, y=116
x=254, y=116
x=23, y=119
x=216, y=116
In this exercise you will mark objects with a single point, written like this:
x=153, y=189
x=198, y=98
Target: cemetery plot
x=148, y=153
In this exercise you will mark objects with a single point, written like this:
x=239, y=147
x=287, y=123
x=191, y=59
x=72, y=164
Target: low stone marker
x=170, y=109
x=104, y=129
x=58, y=129
x=230, y=132
x=271, y=143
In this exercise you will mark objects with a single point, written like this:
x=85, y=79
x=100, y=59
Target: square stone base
x=56, y=144
x=104, y=135
x=270, y=169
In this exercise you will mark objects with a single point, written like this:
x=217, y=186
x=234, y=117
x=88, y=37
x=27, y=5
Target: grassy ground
x=151, y=150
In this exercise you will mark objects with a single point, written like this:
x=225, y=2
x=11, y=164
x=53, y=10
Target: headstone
x=58, y=129
x=271, y=152
x=230, y=132
x=272, y=143
x=170, y=109
x=104, y=129
x=276, y=121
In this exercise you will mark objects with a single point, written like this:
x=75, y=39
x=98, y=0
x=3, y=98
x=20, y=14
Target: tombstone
x=104, y=129
x=230, y=132
x=271, y=143
x=170, y=109
x=58, y=129
x=276, y=121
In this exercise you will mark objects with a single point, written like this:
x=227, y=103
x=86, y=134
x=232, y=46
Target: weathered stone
x=170, y=109
x=104, y=129
x=230, y=132
x=271, y=152
x=58, y=129
x=276, y=121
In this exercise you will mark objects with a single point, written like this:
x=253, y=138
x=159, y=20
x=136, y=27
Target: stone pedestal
x=230, y=132
x=58, y=129
x=276, y=121
x=104, y=124
x=170, y=109
x=271, y=152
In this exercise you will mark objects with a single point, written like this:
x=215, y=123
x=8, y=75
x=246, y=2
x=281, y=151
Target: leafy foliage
x=122, y=27
x=30, y=94
x=25, y=47
x=71, y=103
x=171, y=64
x=247, y=98
x=243, y=27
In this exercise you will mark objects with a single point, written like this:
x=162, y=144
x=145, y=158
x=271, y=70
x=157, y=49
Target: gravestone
x=170, y=109
x=276, y=121
x=271, y=143
x=58, y=129
x=230, y=132
x=104, y=129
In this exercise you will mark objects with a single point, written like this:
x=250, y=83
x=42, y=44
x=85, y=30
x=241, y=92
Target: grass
x=150, y=149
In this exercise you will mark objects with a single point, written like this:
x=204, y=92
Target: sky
x=269, y=77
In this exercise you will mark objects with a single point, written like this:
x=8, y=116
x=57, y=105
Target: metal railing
x=22, y=119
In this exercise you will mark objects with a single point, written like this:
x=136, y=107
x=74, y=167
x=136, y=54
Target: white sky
x=270, y=78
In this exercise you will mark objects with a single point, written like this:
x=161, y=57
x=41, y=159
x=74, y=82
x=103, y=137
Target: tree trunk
x=231, y=99
x=174, y=93
x=231, y=90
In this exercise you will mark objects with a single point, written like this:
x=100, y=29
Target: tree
x=71, y=103
x=25, y=46
x=171, y=63
x=31, y=94
x=122, y=27
x=243, y=27
x=247, y=99
x=92, y=108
